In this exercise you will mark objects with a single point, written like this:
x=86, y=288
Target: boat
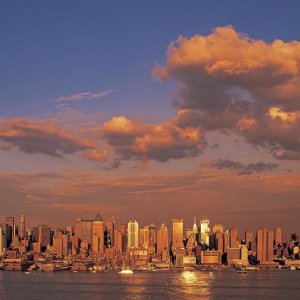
x=292, y=268
x=126, y=272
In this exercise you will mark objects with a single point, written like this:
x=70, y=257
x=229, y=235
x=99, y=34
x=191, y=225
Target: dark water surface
x=225, y=284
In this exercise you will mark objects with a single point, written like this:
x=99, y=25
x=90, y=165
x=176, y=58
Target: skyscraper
x=10, y=229
x=84, y=230
x=162, y=239
x=98, y=235
x=2, y=239
x=270, y=247
x=109, y=232
x=44, y=235
x=264, y=245
x=22, y=226
x=204, y=230
x=249, y=239
x=233, y=238
x=177, y=236
x=278, y=236
x=133, y=234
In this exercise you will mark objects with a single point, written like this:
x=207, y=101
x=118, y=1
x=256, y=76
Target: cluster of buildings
x=104, y=243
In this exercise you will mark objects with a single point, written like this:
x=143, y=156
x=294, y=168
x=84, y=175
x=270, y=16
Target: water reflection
x=196, y=284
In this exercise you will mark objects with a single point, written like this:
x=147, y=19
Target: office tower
x=270, y=247
x=10, y=229
x=195, y=228
x=69, y=230
x=225, y=240
x=278, y=236
x=133, y=234
x=249, y=239
x=219, y=238
x=204, y=230
x=109, y=232
x=218, y=228
x=141, y=237
x=152, y=235
x=162, y=239
x=145, y=231
x=119, y=238
x=44, y=235
x=35, y=234
x=98, y=235
x=233, y=238
x=22, y=227
x=84, y=230
x=177, y=237
x=3, y=239
x=60, y=244
x=244, y=254
x=261, y=245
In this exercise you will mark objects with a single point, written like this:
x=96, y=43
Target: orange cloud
x=43, y=137
x=161, y=142
x=228, y=80
x=97, y=155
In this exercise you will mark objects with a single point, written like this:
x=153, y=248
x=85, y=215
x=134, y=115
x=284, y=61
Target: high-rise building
x=270, y=247
x=22, y=227
x=162, y=239
x=133, y=234
x=204, y=230
x=278, y=236
x=2, y=239
x=219, y=241
x=109, y=232
x=10, y=229
x=60, y=244
x=233, y=238
x=84, y=230
x=141, y=237
x=195, y=228
x=177, y=236
x=145, y=233
x=69, y=230
x=119, y=241
x=218, y=228
x=98, y=235
x=263, y=245
x=44, y=235
x=249, y=239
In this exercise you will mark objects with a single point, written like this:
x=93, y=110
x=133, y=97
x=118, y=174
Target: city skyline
x=151, y=111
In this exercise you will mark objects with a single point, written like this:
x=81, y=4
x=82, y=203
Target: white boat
x=126, y=272
x=292, y=268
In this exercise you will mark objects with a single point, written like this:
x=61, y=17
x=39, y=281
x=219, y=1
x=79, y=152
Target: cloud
x=83, y=96
x=41, y=137
x=244, y=169
x=228, y=80
x=97, y=155
x=160, y=142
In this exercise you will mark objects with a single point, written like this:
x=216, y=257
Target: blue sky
x=55, y=48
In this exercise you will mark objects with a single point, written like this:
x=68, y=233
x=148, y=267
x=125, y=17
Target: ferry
x=126, y=272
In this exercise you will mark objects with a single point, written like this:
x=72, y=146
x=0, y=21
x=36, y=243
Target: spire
x=98, y=217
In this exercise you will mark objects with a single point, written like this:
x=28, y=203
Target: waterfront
x=225, y=284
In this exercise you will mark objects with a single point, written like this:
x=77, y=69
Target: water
x=225, y=284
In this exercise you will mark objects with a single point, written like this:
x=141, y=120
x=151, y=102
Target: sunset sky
x=151, y=110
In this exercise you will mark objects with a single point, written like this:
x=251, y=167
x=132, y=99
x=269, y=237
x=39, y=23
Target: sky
x=151, y=110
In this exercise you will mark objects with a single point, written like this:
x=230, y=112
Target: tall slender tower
x=98, y=235
x=162, y=239
x=177, y=237
x=22, y=226
x=278, y=236
x=204, y=230
x=133, y=234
